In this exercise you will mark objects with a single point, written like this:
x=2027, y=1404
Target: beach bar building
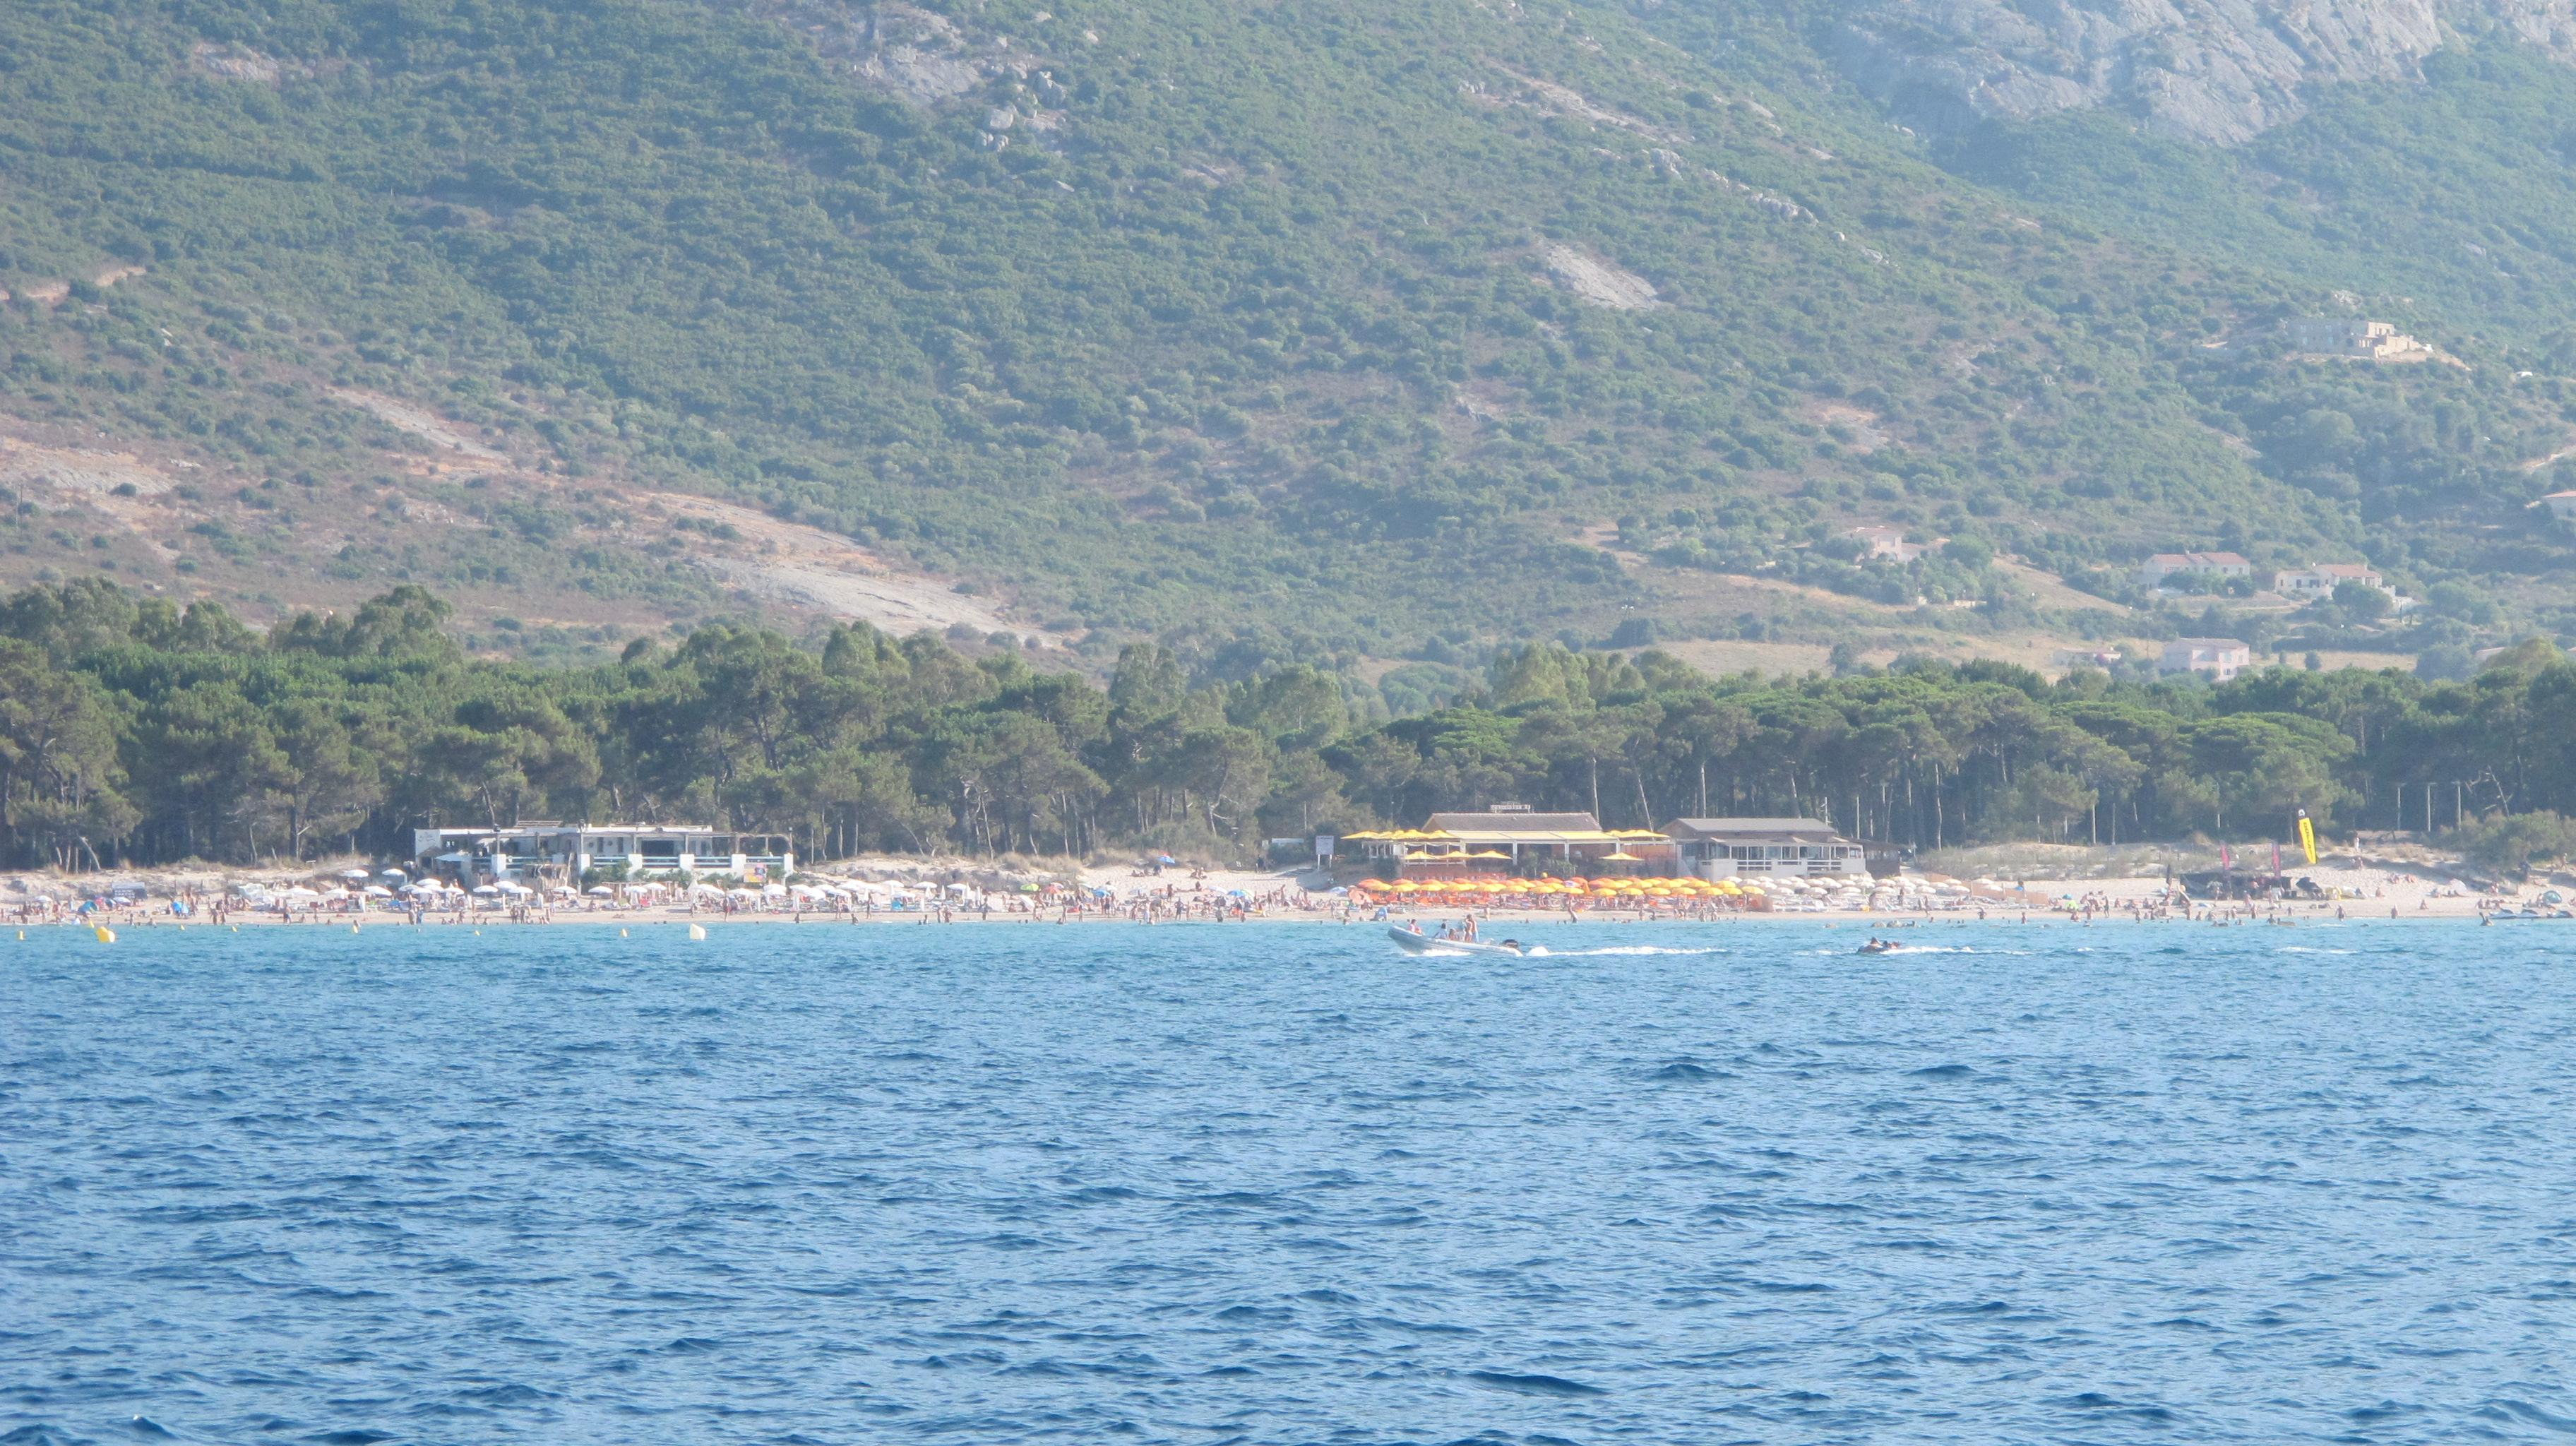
x=1722, y=848
x=566, y=851
x=1510, y=839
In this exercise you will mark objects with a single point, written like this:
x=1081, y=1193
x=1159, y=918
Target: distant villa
x=2217, y=659
x=2378, y=341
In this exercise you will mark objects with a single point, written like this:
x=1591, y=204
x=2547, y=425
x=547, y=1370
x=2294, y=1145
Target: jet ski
x=1878, y=946
x=1413, y=943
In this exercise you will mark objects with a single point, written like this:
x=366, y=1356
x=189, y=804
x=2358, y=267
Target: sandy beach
x=1121, y=893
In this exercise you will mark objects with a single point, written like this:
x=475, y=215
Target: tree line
x=136, y=732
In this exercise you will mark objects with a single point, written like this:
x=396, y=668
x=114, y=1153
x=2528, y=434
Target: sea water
x=1279, y=1183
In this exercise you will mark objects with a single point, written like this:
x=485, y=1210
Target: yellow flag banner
x=2307, y=836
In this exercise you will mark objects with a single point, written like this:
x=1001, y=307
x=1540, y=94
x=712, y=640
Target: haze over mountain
x=1384, y=330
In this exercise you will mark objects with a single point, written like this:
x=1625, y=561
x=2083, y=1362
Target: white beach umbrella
x=392, y=874
x=358, y=875
x=378, y=891
x=602, y=891
x=486, y=890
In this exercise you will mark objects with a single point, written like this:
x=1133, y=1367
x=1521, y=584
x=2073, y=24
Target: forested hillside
x=1331, y=329
x=131, y=732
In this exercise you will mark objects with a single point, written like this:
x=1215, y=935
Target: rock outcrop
x=2214, y=70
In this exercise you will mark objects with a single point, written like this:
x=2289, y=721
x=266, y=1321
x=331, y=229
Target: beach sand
x=2381, y=893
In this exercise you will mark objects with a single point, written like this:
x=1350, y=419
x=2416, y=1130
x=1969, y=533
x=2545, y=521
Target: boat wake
x=1629, y=950
x=1833, y=952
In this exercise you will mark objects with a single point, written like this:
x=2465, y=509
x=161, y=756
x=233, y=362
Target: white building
x=2359, y=340
x=1718, y=848
x=2219, y=658
x=1889, y=544
x=567, y=851
x=2154, y=571
x=2322, y=579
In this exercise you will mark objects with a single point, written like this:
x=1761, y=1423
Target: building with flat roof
x=566, y=851
x=2219, y=659
x=1888, y=544
x=1505, y=839
x=2349, y=337
x=1718, y=848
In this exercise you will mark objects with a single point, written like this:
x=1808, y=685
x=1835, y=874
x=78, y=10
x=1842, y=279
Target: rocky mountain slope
x=2221, y=71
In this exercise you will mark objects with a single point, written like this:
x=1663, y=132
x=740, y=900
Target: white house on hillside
x=1889, y=544
x=2323, y=578
x=2219, y=658
x=2360, y=340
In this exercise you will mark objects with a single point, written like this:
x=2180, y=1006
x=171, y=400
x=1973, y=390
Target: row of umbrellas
x=1595, y=889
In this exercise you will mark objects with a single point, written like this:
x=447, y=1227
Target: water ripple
x=1271, y=1184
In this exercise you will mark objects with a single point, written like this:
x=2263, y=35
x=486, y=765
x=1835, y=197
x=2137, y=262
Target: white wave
x=1626, y=949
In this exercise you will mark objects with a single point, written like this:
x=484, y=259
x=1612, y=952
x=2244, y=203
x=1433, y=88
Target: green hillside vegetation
x=1265, y=333
x=2449, y=209
x=1246, y=324
x=132, y=732
x=2447, y=203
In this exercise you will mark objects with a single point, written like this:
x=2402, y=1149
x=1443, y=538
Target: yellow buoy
x=105, y=934
x=621, y=933
x=697, y=931
x=353, y=928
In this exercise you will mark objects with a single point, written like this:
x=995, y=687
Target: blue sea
x=1278, y=1183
